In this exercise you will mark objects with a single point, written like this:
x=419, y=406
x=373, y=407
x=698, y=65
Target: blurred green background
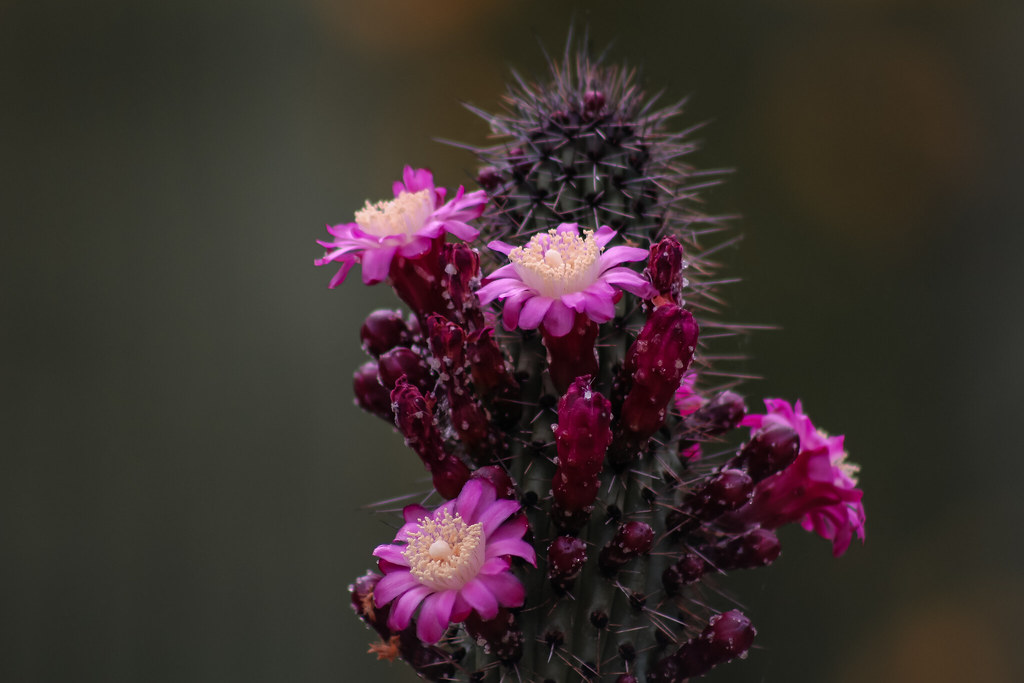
x=184, y=473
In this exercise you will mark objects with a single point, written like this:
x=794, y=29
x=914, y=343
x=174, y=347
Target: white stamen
x=558, y=263
x=446, y=553
x=406, y=214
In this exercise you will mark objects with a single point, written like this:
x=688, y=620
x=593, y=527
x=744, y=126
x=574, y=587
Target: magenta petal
x=498, y=512
x=604, y=235
x=478, y=498
x=559, y=319
x=392, y=553
x=417, y=179
x=376, y=263
x=534, y=311
x=495, y=565
x=480, y=598
x=434, y=616
x=500, y=247
x=393, y=585
x=514, y=304
x=401, y=611
x=575, y=301
x=461, y=610
x=617, y=255
x=506, y=588
x=599, y=308
x=339, y=277
x=464, y=232
x=414, y=513
x=569, y=227
x=630, y=281
x=513, y=546
x=513, y=528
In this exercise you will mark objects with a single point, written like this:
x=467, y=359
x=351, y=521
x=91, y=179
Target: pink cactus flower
x=406, y=225
x=560, y=273
x=453, y=561
x=818, y=488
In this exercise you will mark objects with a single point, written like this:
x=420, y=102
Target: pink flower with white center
x=406, y=225
x=560, y=273
x=453, y=561
x=818, y=488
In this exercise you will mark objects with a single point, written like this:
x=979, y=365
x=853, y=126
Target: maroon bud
x=630, y=541
x=753, y=549
x=727, y=636
x=414, y=417
x=728, y=490
x=361, y=592
x=771, y=449
x=666, y=670
x=665, y=268
x=371, y=396
x=718, y=415
x=566, y=556
x=501, y=635
x=402, y=361
x=417, y=280
x=655, y=362
x=492, y=377
x=498, y=477
x=593, y=101
x=581, y=438
x=383, y=331
x=460, y=274
x=488, y=178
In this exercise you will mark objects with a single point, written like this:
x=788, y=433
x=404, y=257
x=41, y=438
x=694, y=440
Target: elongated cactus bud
x=770, y=450
x=655, y=363
x=755, y=548
x=666, y=269
x=727, y=636
x=582, y=437
x=460, y=274
x=719, y=415
x=414, y=417
x=728, y=490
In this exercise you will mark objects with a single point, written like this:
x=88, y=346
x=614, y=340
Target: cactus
x=594, y=475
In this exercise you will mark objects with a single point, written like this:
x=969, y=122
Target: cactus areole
x=594, y=469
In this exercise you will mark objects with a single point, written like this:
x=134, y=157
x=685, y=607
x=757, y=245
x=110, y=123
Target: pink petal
x=376, y=263
x=339, y=277
x=393, y=585
x=599, y=308
x=616, y=255
x=434, y=616
x=401, y=611
x=495, y=565
x=604, y=235
x=480, y=598
x=569, y=227
x=534, y=311
x=559, y=320
x=414, y=513
x=514, y=304
x=461, y=610
x=513, y=528
x=631, y=281
x=392, y=553
x=500, y=247
x=505, y=587
x=513, y=546
x=496, y=513
x=417, y=179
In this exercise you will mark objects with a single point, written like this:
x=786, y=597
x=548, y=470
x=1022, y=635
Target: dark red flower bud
x=460, y=274
x=488, y=178
x=402, y=361
x=581, y=439
x=371, y=396
x=498, y=477
x=593, y=102
x=718, y=415
x=727, y=636
x=383, y=331
x=655, y=363
x=361, y=592
x=770, y=450
x=728, y=490
x=665, y=268
x=566, y=556
x=501, y=635
x=414, y=417
x=630, y=541
x=753, y=549
x=468, y=417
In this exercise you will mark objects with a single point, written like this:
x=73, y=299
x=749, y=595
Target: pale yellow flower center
x=403, y=215
x=447, y=553
x=557, y=263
